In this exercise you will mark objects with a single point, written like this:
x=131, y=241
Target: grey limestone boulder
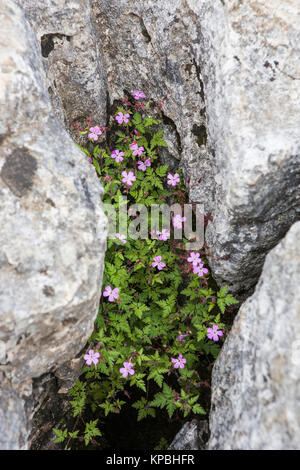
x=72, y=58
x=251, y=74
x=52, y=228
x=256, y=379
x=192, y=436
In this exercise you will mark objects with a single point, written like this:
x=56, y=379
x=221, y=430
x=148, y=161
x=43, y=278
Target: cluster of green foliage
x=154, y=307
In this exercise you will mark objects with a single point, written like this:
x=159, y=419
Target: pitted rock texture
x=155, y=47
x=227, y=75
x=256, y=379
x=192, y=436
x=72, y=58
x=231, y=78
x=13, y=419
x=228, y=78
x=52, y=228
x=251, y=74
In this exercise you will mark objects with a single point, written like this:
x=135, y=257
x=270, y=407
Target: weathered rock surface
x=229, y=70
x=154, y=46
x=251, y=74
x=52, y=230
x=192, y=436
x=13, y=419
x=72, y=58
x=228, y=76
x=256, y=379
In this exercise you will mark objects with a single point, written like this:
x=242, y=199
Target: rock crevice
x=227, y=76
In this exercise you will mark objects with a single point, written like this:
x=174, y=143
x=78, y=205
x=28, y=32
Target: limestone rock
x=52, y=227
x=256, y=378
x=192, y=436
x=251, y=73
x=72, y=59
x=154, y=46
x=228, y=78
x=227, y=75
x=230, y=74
x=13, y=420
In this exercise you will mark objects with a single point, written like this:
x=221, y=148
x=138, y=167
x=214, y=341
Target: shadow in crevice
x=47, y=42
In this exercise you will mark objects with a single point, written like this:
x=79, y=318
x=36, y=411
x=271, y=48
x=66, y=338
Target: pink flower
x=122, y=238
x=200, y=270
x=197, y=267
x=179, y=362
x=127, y=369
x=158, y=262
x=195, y=259
x=136, y=149
x=94, y=132
x=138, y=94
x=129, y=177
x=141, y=166
x=117, y=155
x=164, y=235
x=214, y=333
x=177, y=221
x=120, y=117
x=91, y=357
x=173, y=180
x=112, y=294
x=134, y=146
x=180, y=337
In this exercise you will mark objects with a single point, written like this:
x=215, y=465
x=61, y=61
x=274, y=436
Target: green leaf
x=221, y=304
x=91, y=431
x=230, y=300
x=97, y=166
x=157, y=140
x=137, y=118
x=156, y=376
x=61, y=435
x=198, y=409
x=223, y=291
